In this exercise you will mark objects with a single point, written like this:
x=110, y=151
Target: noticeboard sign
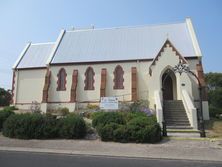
x=109, y=103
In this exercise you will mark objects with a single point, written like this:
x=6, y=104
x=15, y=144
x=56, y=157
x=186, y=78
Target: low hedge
x=103, y=118
x=72, y=127
x=37, y=126
x=133, y=127
x=215, y=112
x=4, y=114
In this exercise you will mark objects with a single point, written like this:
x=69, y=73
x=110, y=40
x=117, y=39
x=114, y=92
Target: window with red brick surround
x=61, y=82
x=89, y=79
x=118, y=77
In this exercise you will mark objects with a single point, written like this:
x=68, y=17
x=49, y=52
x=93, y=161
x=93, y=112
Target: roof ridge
x=127, y=27
x=43, y=43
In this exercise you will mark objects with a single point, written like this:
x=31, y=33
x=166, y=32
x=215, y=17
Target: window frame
x=118, y=80
x=60, y=86
x=88, y=85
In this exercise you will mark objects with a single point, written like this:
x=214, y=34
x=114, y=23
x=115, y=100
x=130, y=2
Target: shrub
x=106, y=132
x=121, y=134
x=24, y=126
x=87, y=114
x=104, y=118
x=132, y=127
x=215, y=111
x=5, y=97
x=72, y=127
x=64, y=111
x=50, y=128
x=139, y=105
x=4, y=114
x=92, y=106
x=35, y=107
x=130, y=115
x=37, y=126
x=10, y=108
x=151, y=134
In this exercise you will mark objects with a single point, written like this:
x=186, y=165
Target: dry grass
x=214, y=128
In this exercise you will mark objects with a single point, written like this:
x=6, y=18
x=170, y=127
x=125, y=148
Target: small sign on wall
x=109, y=103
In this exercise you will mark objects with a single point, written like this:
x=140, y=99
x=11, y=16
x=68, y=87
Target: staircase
x=175, y=115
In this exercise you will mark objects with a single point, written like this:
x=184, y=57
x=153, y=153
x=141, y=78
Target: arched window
x=118, y=77
x=61, y=83
x=89, y=79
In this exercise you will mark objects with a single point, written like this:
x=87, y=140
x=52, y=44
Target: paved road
x=26, y=159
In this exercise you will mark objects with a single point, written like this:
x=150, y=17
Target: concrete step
x=178, y=124
x=177, y=121
x=183, y=135
x=183, y=131
x=175, y=115
x=178, y=127
x=174, y=109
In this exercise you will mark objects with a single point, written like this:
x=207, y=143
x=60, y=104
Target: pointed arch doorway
x=169, y=85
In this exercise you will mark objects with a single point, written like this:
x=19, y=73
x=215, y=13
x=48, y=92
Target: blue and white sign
x=109, y=103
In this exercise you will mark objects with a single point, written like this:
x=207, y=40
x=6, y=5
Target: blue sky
x=41, y=21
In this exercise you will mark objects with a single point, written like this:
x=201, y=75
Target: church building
x=130, y=63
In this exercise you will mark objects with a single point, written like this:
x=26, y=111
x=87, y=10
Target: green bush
x=24, y=126
x=5, y=97
x=139, y=105
x=37, y=126
x=121, y=134
x=106, y=132
x=72, y=127
x=64, y=111
x=214, y=112
x=50, y=128
x=133, y=127
x=103, y=118
x=4, y=114
x=151, y=134
x=10, y=108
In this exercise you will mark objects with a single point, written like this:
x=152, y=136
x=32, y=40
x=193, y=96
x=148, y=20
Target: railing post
x=164, y=129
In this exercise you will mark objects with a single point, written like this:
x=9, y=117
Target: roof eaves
x=193, y=37
x=21, y=55
x=57, y=43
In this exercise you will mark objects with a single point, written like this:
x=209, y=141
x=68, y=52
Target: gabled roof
x=126, y=43
x=34, y=56
x=111, y=44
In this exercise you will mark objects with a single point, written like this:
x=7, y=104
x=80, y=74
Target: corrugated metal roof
x=36, y=55
x=126, y=43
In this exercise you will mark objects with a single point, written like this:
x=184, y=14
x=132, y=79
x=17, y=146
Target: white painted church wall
x=29, y=86
x=94, y=95
x=168, y=59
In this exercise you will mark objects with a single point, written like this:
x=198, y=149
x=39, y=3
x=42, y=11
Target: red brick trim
x=46, y=86
x=120, y=86
x=13, y=87
x=103, y=83
x=23, y=103
x=167, y=42
x=86, y=74
x=59, y=102
x=134, y=83
x=74, y=86
x=200, y=75
x=59, y=88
